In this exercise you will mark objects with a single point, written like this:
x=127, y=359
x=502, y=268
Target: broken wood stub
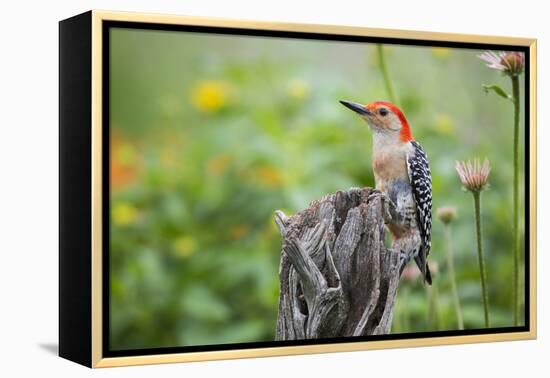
x=337, y=278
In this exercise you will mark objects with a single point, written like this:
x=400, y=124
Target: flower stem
x=433, y=308
x=515, y=98
x=477, y=208
x=385, y=73
x=450, y=263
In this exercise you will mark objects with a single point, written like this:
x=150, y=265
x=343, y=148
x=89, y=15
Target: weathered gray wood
x=337, y=278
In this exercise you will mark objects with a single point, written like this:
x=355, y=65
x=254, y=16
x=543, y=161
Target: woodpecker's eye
x=383, y=112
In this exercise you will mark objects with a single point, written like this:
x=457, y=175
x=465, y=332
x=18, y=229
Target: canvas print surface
x=209, y=134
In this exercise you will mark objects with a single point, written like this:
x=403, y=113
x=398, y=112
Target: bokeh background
x=211, y=133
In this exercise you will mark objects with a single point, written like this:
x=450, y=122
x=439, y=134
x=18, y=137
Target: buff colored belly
x=391, y=177
x=388, y=167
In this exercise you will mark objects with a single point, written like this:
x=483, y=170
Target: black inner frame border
x=107, y=25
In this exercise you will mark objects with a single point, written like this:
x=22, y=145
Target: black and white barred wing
x=421, y=182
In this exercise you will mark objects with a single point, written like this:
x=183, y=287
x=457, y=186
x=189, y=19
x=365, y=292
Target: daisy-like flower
x=510, y=63
x=446, y=214
x=474, y=176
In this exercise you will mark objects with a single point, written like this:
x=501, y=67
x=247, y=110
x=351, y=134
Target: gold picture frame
x=84, y=273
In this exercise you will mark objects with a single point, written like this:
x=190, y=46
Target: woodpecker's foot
x=387, y=204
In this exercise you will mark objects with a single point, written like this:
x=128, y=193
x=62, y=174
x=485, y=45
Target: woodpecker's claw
x=387, y=204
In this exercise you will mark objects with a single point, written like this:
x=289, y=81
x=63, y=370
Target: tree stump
x=337, y=278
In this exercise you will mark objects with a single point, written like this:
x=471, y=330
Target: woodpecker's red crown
x=380, y=110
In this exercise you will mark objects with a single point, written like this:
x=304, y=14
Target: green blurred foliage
x=210, y=134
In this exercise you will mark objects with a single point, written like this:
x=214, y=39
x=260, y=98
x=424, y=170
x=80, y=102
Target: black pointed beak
x=357, y=108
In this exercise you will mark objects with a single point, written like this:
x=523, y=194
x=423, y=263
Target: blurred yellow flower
x=441, y=52
x=443, y=124
x=124, y=214
x=239, y=231
x=218, y=164
x=298, y=89
x=269, y=176
x=210, y=95
x=185, y=246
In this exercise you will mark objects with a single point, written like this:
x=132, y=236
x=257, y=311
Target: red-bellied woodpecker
x=403, y=179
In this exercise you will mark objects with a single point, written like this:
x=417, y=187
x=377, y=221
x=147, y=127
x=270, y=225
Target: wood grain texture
x=337, y=278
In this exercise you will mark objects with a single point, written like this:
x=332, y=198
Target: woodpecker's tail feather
x=422, y=264
x=428, y=276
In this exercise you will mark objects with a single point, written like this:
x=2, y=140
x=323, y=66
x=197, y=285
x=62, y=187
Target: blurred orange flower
x=239, y=231
x=218, y=164
x=269, y=176
x=125, y=163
